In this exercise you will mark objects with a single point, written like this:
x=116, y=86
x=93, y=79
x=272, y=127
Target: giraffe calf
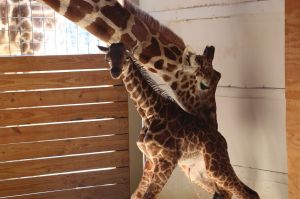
x=174, y=137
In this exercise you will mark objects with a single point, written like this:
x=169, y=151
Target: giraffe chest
x=194, y=161
x=195, y=169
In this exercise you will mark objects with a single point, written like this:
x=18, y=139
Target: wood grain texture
x=59, y=97
x=63, y=164
x=293, y=138
x=45, y=159
x=46, y=63
x=292, y=49
x=293, y=98
x=62, y=147
x=63, y=131
x=61, y=114
x=293, y=142
x=119, y=191
x=61, y=182
x=56, y=80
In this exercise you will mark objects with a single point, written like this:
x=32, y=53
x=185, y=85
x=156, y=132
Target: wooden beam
x=62, y=114
x=64, y=96
x=119, y=191
x=62, y=182
x=58, y=165
x=56, y=80
x=293, y=98
x=63, y=131
x=57, y=62
x=42, y=149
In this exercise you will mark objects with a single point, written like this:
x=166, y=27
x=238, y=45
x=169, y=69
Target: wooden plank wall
x=249, y=40
x=293, y=94
x=63, y=129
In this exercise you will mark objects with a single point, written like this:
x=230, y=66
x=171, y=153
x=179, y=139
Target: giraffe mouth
x=115, y=76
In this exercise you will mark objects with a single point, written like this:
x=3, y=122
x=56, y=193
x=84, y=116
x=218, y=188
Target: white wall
x=249, y=40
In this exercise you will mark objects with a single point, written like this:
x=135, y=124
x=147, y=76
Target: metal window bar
x=8, y=23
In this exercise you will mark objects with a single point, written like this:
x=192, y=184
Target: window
x=31, y=28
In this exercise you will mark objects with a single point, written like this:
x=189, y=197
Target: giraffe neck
x=156, y=47
x=148, y=98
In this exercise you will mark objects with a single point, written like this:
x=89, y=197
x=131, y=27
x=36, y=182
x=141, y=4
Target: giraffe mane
x=152, y=83
x=154, y=25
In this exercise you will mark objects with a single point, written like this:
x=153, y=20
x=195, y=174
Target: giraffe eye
x=204, y=86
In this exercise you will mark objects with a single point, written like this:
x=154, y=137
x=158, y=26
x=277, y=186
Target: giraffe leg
x=221, y=172
x=140, y=142
x=145, y=181
x=161, y=172
x=233, y=186
x=148, y=167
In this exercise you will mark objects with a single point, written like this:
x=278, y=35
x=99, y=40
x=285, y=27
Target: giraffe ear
x=186, y=57
x=209, y=52
x=102, y=48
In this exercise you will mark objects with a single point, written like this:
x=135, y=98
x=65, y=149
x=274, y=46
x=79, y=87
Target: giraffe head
x=202, y=67
x=117, y=56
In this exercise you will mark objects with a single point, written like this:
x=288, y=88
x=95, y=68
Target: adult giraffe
x=156, y=48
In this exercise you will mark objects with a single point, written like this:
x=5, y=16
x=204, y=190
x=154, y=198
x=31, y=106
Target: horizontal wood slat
x=45, y=63
x=60, y=114
x=63, y=164
x=56, y=80
x=59, y=97
x=63, y=131
x=120, y=191
x=62, y=147
x=62, y=182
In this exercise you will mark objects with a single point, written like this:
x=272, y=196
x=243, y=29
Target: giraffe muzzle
x=115, y=72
